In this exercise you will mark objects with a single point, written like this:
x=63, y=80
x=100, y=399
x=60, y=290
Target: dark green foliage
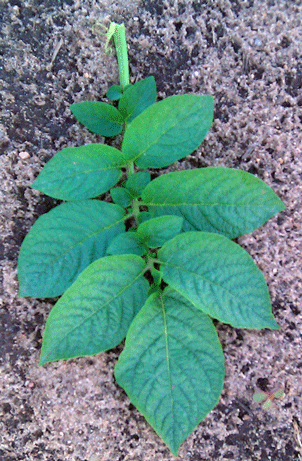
x=98, y=117
x=114, y=93
x=179, y=230
x=137, y=98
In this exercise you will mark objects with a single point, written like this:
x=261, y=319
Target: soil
x=248, y=55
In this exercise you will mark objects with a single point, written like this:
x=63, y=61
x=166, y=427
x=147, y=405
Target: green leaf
x=137, y=182
x=63, y=242
x=267, y=404
x=144, y=216
x=121, y=196
x=137, y=98
x=157, y=231
x=77, y=173
x=168, y=130
x=98, y=117
x=114, y=92
x=126, y=243
x=96, y=311
x=279, y=394
x=260, y=396
x=222, y=200
x=219, y=277
x=172, y=367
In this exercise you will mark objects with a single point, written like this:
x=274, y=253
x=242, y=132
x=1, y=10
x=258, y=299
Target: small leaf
x=137, y=98
x=279, y=394
x=98, y=117
x=218, y=277
x=114, y=92
x=77, y=173
x=63, y=242
x=137, y=182
x=94, y=314
x=172, y=367
x=168, y=130
x=268, y=397
x=259, y=396
x=126, y=243
x=267, y=404
x=222, y=200
x=121, y=196
x=157, y=231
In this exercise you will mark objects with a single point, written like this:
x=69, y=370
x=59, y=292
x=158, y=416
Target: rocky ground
x=247, y=54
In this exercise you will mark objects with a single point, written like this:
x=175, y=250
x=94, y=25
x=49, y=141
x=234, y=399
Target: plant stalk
x=135, y=208
x=117, y=31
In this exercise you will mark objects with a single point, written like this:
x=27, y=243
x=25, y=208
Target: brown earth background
x=248, y=55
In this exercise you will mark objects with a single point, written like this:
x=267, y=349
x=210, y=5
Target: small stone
x=24, y=155
x=257, y=42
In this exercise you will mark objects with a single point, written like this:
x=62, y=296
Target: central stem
x=135, y=209
x=117, y=31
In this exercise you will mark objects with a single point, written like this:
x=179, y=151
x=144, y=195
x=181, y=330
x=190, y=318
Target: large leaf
x=219, y=277
x=77, y=173
x=157, y=231
x=223, y=200
x=168, y=130
x=172, y=367
x=137, y=98
x=98, y=117
x=95, y=312
x=63, y=242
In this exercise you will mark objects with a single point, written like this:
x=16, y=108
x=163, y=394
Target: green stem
x=135, y=208
x=117, y=31
x=130, y=169
x=122, y=55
